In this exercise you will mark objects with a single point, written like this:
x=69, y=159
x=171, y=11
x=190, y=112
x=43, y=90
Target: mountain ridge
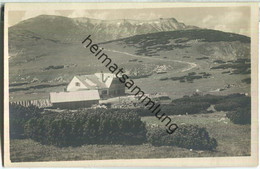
x=71, y=30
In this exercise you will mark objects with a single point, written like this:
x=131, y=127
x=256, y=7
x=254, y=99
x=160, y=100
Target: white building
x=106, y=83
x=75, y=99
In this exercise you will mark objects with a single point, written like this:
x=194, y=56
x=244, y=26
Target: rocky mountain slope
x=49, y=30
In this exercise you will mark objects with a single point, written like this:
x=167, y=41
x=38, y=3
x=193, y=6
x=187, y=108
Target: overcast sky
x=228, y=19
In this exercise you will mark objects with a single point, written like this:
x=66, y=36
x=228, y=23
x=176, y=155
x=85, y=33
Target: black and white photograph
x=128, y=84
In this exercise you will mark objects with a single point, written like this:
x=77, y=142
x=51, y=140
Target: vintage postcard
x=130, y=84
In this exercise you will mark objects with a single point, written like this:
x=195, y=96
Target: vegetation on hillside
x=19, y=115
x=190, y=77
x=152, y=43
x=196, y=132
x=187, y=136
x=239, y=66
x=99, y=126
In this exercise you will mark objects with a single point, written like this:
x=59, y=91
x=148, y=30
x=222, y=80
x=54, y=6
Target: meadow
x=233, y=140
x=184, y=62
x=55, y=80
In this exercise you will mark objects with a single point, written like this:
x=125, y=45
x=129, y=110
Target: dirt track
x=191, y=65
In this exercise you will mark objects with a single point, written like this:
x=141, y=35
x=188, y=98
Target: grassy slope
x=233, y=140
x=175, y=89
x=87, y=64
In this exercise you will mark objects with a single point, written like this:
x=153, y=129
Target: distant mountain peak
x=60, y=29
x=173, y=19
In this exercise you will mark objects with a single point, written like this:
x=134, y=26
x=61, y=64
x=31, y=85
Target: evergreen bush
x=186, y=136
x=99, y=126
x=19, y=115
x=240, y=116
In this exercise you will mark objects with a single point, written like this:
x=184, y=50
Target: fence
x=39, y=103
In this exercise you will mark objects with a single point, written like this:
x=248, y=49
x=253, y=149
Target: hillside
x=51, y=30
x=43, y=59
x=210, y=43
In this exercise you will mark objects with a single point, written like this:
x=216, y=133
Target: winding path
x=191, y=65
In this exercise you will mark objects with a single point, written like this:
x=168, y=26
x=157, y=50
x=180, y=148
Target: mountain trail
x=191, y=65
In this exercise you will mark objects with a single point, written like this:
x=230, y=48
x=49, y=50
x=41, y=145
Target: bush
x=186, y=136
x=241, y=116
x=199, y=104
x=100, y=126
x=19, y=115
x=228, y=106
x=233, y=102
x=141, y=111
x=183, y=108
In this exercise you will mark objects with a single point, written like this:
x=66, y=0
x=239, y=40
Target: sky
x=228, y=19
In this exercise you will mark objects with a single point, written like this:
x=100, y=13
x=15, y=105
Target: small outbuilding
x=75, y=99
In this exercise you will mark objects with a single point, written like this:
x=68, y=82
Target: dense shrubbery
x=190, y=77
x=183, y=108
x=240, y=116
x=19, y=115
x=104, y=126
x=228, y=106
x=189, y=136
x=246, y=80
x=191, y=105
x=239, y=108
x=142, y=111
x=98, y=126
x=212, y=99
x=124, y=126
x=233, y=102
x=199, y=104
x=176, y=109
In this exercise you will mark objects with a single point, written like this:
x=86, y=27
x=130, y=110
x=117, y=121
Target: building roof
x=98, y=80
x=84, y=95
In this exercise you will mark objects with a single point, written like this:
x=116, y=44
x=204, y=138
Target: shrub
x=100, y=126
x=183, y=108
x=228, y=106
x=199, y=104
x=141, y=111
x=247, y=80
x=19, y=115
x=186, y=136
x=233, y=102
x=240, y=116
